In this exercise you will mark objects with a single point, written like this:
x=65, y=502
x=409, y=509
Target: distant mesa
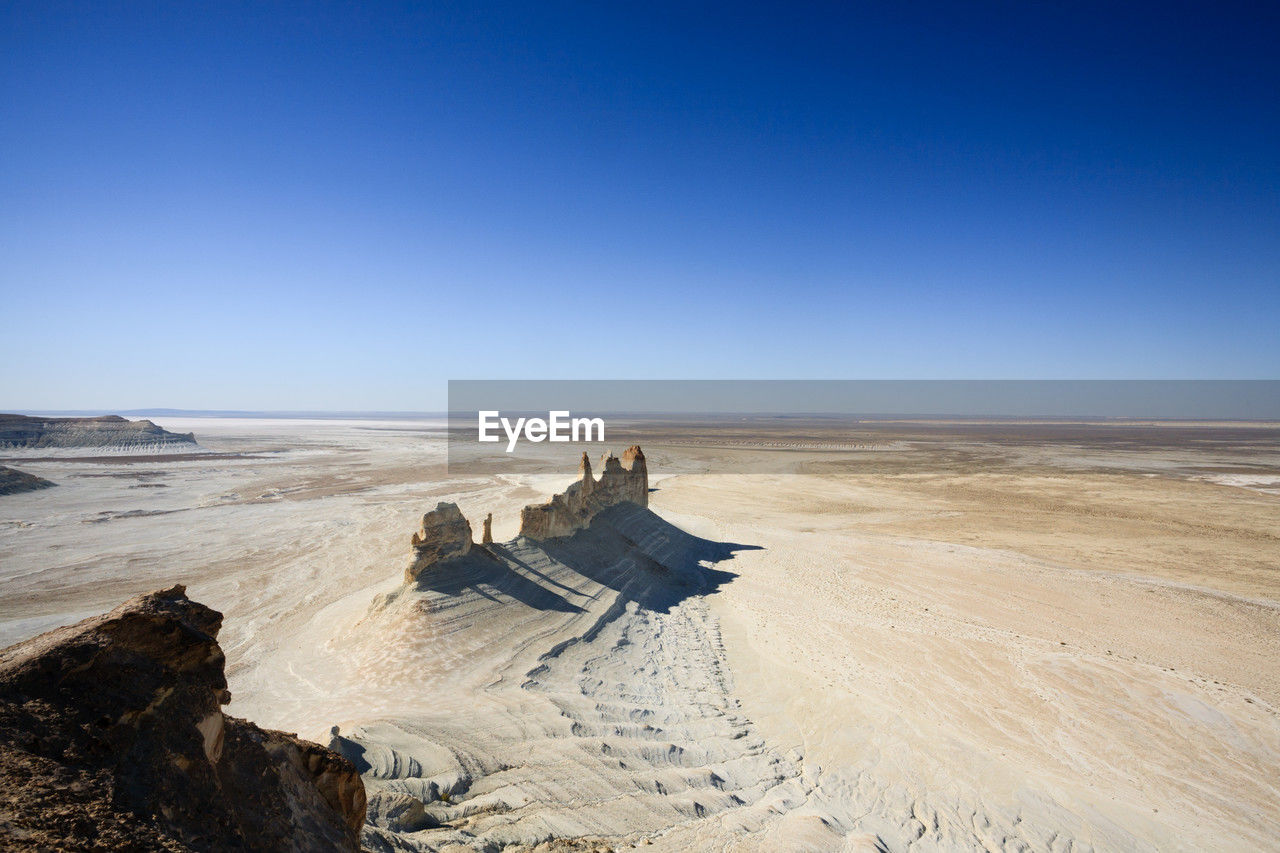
x=107, y=431
x=446, y=534
x=112, y=737
x=13, y=481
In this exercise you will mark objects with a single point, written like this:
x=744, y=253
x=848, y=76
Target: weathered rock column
x=638, y=481
x=574, y=508
x=445, y=535
x=584, y=474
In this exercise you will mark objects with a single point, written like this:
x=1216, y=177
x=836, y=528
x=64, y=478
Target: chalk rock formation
x=620, y=480
x=112, y=737
x=108, y=431
x=445, y=535
x=13, y=481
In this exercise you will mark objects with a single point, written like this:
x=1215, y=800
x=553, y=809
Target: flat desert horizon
x=820, y=634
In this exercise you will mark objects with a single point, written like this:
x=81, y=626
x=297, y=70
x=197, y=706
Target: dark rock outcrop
x=110, y=431
x=13, y=481
x=112, y=737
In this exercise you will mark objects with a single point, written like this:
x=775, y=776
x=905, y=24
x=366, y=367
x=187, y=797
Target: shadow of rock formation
x=600, y=530
x=627, y=548
x=492, y=573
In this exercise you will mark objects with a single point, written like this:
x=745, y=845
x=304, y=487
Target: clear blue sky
x=219, y=205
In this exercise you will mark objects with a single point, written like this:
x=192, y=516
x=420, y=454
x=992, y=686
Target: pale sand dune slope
x=593, y=698
x=946, y=695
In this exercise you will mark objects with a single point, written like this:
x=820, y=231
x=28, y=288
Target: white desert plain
x=827, y=635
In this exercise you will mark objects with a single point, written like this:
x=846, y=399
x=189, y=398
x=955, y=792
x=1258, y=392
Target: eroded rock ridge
x=107, y=431
x=446, y=533
x=13, y=481
x=112, y=737
x=625, y=479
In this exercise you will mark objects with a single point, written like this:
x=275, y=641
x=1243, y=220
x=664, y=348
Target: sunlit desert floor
x=832, y=637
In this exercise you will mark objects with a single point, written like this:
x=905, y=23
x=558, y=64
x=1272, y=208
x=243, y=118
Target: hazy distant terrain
x=106, y=431
x=826, y=636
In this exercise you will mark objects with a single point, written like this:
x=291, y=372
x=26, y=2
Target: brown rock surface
x=112, y=737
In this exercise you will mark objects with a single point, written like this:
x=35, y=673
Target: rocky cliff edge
x=112, y=737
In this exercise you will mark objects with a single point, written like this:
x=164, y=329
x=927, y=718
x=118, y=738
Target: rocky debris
x=107, y=431
x=112, y=737
x=399, y=812
x=13, y=481
x=445, y=535
x=621, y=480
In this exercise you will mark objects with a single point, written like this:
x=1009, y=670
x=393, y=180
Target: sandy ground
x=897, y=636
